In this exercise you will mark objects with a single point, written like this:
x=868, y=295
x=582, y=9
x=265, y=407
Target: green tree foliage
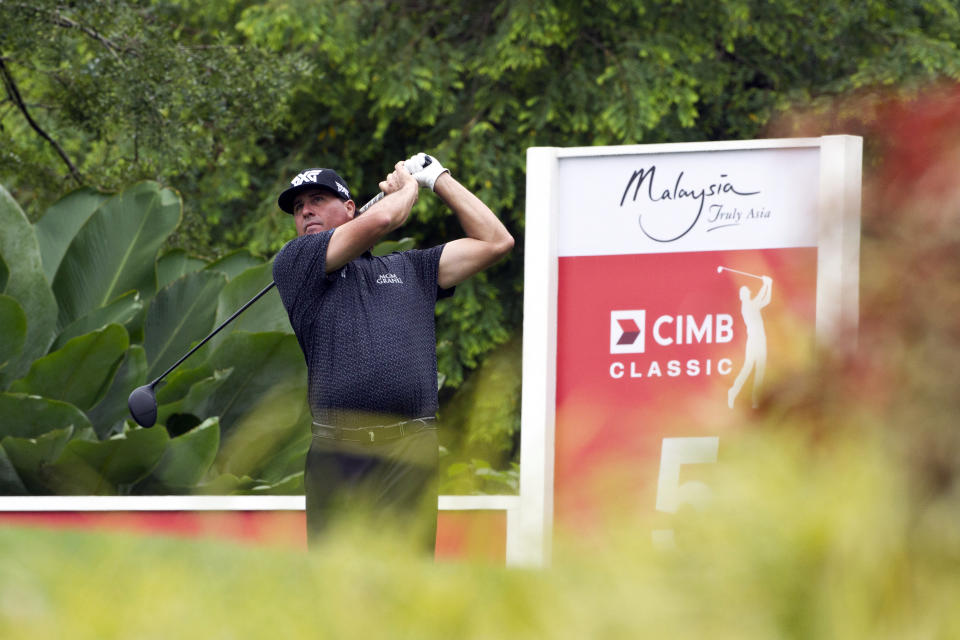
x=106, y=93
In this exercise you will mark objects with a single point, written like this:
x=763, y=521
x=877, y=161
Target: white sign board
x=650, y=272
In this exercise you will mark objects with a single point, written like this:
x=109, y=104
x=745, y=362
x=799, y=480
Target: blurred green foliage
x=480, y=431
x=802, y=540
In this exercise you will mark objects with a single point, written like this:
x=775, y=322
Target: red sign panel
x=652, y=346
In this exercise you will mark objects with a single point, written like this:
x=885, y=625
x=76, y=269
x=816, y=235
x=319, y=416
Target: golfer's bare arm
x=487, y=239
x=352, y=238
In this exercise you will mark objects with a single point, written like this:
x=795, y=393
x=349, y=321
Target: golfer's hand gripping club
x=426, y=169
x=410, y=166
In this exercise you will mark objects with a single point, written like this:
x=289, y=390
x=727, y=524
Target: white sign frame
x=837, y=298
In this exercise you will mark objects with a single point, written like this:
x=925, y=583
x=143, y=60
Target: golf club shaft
x=743, y=273
x=377, y=198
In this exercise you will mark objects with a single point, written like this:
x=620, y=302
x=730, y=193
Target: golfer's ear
x=351, y=208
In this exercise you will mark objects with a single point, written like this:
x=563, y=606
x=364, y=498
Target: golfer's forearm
x=476, y=218
x=392, y=212
x=353, y=238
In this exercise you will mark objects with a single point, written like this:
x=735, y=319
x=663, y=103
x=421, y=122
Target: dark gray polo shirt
x=366, y=330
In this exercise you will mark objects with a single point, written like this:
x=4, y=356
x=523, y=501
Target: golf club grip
x=377, y=198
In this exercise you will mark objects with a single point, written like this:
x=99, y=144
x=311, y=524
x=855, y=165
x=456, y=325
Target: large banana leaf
x=230, y=484
x=176, y=263
x=262, y=405
x=26, y=283
x=25, y=416
x=266, y=314
x=112, y=410
x=61, y=222
x=4, y=274
x=197, y=400
x=389, y=246
x=180, y=315
x=10, y=482
x=289, y=455
x=261, y=362
x=116, y=249
x=234, y=263
x=13, y=329
x=81, y=371
x=227, y=484
x=31, y=457
x=291, y=485
x=188, y=457
x=181, y=380
x=123, y=310
x=279, y=416
x=106, y=467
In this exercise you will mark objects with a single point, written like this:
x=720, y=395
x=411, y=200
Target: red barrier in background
x=474, y=535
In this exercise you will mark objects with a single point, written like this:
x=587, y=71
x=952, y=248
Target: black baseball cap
x=313, y=179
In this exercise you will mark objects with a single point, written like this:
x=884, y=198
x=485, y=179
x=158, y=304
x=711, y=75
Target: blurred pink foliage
x=903, y=377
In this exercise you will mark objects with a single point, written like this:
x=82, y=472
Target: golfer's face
x=318, y=210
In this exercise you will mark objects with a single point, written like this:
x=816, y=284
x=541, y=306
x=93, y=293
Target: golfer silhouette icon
x=755, y=353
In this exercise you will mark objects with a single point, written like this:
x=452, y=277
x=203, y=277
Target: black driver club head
x=143, y=405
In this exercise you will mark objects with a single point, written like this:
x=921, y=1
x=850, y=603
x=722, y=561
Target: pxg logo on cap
x=313, y=175
x=310, y=178
x=627, y=331
x=306, y=176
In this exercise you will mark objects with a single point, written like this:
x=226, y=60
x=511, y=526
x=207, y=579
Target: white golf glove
x=426, y=169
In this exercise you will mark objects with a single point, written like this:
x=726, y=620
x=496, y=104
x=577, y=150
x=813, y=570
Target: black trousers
x=390, y=487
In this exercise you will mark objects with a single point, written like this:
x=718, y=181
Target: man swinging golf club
x=366, y=328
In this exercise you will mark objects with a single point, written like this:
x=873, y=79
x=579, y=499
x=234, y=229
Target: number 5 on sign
x=671, y=495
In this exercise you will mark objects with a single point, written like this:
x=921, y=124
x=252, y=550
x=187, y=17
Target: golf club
x=743, y=273
x=143, y=400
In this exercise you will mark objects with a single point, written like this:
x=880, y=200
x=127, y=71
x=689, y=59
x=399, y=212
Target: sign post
x=665, y=285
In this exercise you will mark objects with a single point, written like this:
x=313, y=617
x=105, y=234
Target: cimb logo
x=627, y=331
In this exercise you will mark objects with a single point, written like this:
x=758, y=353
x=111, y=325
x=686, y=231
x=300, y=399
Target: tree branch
x=63, y=21
x=14, y=94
